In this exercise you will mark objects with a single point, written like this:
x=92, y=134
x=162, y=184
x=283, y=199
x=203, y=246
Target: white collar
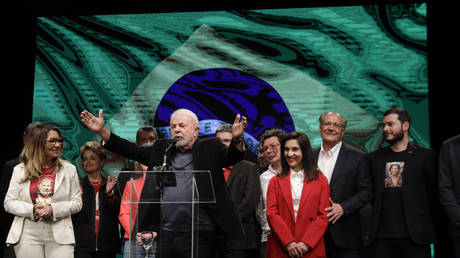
x=333, y=150
x=272, y=170
x=300, y=174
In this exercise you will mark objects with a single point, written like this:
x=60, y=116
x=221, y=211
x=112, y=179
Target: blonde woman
x=43, y=228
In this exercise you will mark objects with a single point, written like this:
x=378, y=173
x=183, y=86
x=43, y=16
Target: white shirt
x=297, y=179
x=326, y=161
x=261, y=209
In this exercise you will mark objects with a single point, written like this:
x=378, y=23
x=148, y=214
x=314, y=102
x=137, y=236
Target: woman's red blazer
x=311, y=222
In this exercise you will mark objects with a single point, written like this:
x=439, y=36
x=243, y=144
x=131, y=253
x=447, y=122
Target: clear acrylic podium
x=147, y=190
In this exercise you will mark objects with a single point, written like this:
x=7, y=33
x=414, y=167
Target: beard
x=398, y=136
x=184, y=141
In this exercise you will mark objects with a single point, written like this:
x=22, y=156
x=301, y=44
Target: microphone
x=168, y=151
x=165, y=157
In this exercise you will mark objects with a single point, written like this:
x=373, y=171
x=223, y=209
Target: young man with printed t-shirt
x=403, y=178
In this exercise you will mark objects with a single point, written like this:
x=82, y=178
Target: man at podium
x=184, y=152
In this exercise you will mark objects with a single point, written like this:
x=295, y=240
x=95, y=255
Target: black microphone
x=168, y=151
x=162, y=175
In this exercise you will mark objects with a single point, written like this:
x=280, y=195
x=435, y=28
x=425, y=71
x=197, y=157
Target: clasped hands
x=42, y=210
x=147, y=235
x=297, y=250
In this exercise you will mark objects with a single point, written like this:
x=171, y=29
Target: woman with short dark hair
x=96, y=226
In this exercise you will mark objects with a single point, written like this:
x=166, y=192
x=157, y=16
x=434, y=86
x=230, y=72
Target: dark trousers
x=333, y=251
x=179, y=244
x=8, y=252
x=400, y=248
x=247, y=253
x=223, y=252
x=263, y=249
x=456, y=246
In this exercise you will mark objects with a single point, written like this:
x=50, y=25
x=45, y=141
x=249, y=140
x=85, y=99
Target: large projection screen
x=280, y=67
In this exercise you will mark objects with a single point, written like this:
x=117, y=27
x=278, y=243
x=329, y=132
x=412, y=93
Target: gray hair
x=224, y=128
x=188, y=113
x=146, y=128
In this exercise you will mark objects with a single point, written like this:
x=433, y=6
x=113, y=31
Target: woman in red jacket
x=296, y=203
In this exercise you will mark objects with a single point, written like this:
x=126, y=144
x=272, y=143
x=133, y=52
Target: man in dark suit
x=449, y=186
x=350, y=190
x=404, y=181
x=244, y=183
x=186, y=152
x=7, y=218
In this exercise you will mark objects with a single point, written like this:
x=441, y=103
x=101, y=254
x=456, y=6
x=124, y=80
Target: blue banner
x=208, y=128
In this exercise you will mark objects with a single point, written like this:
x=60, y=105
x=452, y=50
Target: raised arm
x=95, y=124
x=238, y=128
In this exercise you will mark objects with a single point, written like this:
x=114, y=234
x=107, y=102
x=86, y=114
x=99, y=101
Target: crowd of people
x=289, y=201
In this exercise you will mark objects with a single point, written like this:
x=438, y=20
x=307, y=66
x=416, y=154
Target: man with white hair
x=350, y=188
x=172, y=221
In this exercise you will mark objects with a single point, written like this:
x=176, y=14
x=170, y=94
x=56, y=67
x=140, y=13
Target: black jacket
x=449, y=182
x=351, y=188
x=419, y=191
x=108, y=239
x=208, y=154
x=244, y=182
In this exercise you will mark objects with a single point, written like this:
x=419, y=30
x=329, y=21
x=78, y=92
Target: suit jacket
x=208, y=154
x=311, y=220
x=66, y=201
x=449, y=182
x=244, y=184
x=352, y=190
x=418, y=191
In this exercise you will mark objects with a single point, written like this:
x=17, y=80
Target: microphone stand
x=164, y=166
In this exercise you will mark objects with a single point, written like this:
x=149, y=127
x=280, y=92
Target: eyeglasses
x=54, y=141
x=336, y=125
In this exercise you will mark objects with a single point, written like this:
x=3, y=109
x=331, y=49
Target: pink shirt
x=127, y=202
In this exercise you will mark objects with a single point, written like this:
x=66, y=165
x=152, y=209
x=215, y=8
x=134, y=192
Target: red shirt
x=42, y=189
x=227, y=172
x=97, y=187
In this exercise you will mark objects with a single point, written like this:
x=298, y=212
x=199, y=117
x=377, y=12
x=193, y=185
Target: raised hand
x=239, y=126
x=95, y=124
x=111, y=182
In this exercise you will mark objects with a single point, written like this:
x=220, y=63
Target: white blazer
x=66, y=201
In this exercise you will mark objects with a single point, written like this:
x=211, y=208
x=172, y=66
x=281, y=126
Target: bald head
x=329, y=114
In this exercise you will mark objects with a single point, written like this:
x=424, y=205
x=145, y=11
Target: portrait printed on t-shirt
x=393, y=174
x=45, y=190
